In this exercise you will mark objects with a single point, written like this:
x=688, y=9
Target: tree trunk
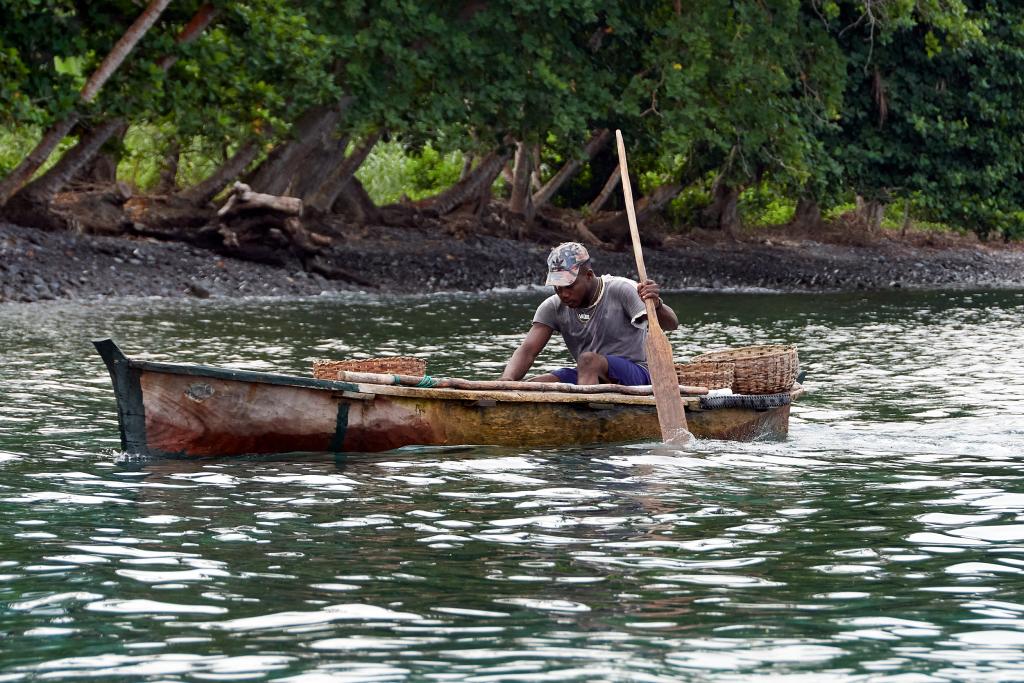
x=38, y=156
x=730, y=216
x=508, y=174
x=323, y=199
x=907, y=220
x=470, y=189
x=199, y=22
x=467, y=166
x=102, y=170
x=120, y=51
x=169, y=170
x=616, y=228
x=535, y=183
x=276, y=173
x=356, y=204
x=327, y=155
x=870, y=213
x=606, y=192
x=520, y=201
x=572, y=167
x=659, y=199
x=229, y=171
x=17, y=178
x=876, y=212
x=42, y=190
x=807, y=216
x=723, y=213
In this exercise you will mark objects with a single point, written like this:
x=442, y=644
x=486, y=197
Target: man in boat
x=602, y=319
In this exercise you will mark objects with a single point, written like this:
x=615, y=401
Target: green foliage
x=145, y=148
x=34, y=38
x=764, y=205
x=886, y=99
x=142, y=157
x=144, y=151
x=940, y=126
x=200, y=157
x=223, y=88
x=733, y=87
x=686, y=207
x=392, y=172
x=15, y=143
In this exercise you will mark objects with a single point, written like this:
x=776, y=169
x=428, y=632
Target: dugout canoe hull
x=181, y=410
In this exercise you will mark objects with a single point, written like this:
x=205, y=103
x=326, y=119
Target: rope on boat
x=751, y=402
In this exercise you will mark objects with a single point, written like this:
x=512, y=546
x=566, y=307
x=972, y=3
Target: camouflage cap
x=564, y=263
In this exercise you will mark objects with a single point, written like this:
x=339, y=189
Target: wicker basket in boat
x=710, y=375
x=390, y=365
x=764, y=369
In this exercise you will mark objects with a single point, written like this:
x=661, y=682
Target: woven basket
x=390, y=365
x=710, y=375
x=765, y=369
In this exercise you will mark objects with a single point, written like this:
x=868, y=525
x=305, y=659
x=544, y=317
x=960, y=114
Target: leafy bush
x=142, y=156
x=764, y=205
x=15, y=143
x=391, y=172
x=685, y=209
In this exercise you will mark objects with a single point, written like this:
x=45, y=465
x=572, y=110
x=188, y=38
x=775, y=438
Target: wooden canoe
x=175, y=409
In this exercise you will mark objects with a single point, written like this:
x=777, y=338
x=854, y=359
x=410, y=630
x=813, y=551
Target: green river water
x=883, y=541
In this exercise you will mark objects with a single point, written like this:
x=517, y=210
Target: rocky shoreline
x=37, y=265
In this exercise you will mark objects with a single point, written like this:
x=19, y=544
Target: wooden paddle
x=671, y=412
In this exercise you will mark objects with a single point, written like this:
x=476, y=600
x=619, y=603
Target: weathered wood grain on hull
x=206, y=417
x=198, y=416
x=381, y=423
x=497, y=423
x=392, y=421
x=196, y=411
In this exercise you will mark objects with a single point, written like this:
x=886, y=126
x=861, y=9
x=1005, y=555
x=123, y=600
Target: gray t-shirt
x=615, y=325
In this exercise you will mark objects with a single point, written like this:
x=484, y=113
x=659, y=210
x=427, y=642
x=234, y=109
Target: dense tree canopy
x=913, y=101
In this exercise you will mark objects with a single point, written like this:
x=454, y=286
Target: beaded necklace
x=585, y=314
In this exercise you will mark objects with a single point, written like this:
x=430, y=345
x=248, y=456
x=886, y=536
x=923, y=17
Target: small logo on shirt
x=584, y=317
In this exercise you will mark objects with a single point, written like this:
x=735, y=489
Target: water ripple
x=881, y=542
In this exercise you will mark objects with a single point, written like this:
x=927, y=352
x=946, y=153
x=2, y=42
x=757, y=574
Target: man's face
x=575, y=294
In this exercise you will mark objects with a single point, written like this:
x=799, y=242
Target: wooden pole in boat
x=671, y=411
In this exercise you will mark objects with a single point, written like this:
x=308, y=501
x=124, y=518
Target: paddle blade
x=671, y=411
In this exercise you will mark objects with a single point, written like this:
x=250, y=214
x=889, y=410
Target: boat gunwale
x=362, y=390
x=367, y=390
x=255, y=376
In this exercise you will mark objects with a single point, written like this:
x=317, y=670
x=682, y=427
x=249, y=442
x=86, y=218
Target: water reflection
x=882, y=540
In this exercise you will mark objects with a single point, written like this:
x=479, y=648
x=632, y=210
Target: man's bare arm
x=523, y=358
x=667, y=318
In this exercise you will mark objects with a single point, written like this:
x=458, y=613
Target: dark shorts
x=620, y=371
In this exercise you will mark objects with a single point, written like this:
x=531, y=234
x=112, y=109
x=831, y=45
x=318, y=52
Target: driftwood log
x=243, y=199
